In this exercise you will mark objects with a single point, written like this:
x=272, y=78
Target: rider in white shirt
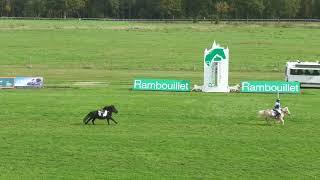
x=103, y=113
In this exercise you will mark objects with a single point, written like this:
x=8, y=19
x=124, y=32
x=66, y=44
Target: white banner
x=32, y=82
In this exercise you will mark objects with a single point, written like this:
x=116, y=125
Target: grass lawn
x=160, y=135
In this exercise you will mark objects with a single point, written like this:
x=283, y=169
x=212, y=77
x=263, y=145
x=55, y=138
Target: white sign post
x=216, y=69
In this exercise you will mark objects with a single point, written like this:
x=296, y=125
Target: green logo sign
x=270, y=87
x=215, y=55
x=161, y=85
x=6, y=82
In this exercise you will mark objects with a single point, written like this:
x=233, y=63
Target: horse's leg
x=275, y=120
x=114, y=120
x=108, y=121
x=85, y=119
x=266, y=118
x=93, y=120
x=88, y=120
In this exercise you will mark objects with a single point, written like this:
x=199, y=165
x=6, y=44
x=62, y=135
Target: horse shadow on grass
x=96, y=124
x=254, y=124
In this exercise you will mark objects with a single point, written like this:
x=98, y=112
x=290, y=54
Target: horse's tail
x=86, y=117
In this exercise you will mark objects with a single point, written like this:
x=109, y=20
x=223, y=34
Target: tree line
x=161, y=9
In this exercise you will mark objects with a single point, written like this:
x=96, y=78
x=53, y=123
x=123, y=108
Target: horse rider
x=277, y=108
x=103, y=112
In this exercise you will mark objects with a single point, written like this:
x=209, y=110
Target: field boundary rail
x=168, y=20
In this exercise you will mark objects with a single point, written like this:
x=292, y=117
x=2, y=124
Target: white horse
x=270, y=114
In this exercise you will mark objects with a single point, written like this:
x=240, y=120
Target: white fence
x=170, y=20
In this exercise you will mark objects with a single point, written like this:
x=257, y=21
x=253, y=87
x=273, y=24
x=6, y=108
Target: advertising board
x=270, y=87
x=28, y=82
x=6, y=82
x=161, y=85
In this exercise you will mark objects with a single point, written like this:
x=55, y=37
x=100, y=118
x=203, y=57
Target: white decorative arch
x=216, y=69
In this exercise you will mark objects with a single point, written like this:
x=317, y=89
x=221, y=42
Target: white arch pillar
x=216, y=69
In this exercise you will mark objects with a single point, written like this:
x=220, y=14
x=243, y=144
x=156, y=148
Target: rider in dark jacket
x=277, y=108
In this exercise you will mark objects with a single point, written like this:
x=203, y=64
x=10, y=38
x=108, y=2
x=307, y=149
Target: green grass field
x=160, y=135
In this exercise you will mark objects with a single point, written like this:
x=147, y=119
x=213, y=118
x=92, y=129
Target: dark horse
x=105, y=113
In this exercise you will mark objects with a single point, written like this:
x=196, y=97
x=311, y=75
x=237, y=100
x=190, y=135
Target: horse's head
x=111, y=108
x=285, y=110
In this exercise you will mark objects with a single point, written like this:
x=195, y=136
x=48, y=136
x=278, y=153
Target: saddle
x=275, y=113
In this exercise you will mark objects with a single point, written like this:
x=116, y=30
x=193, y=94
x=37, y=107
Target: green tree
x=248, y=8
x=306, y=8
x=315, y=9
x=170, y=8
x=124, y=8
x=148, y=9
x=54, y=8
x=162, y=8
x=271, y=9
x=198, y=9
x=113, y=7
x=1, y=7
x=34, y=8
x=289, y=8
x=222, y=8
x=73, y=7
x=7, y=7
